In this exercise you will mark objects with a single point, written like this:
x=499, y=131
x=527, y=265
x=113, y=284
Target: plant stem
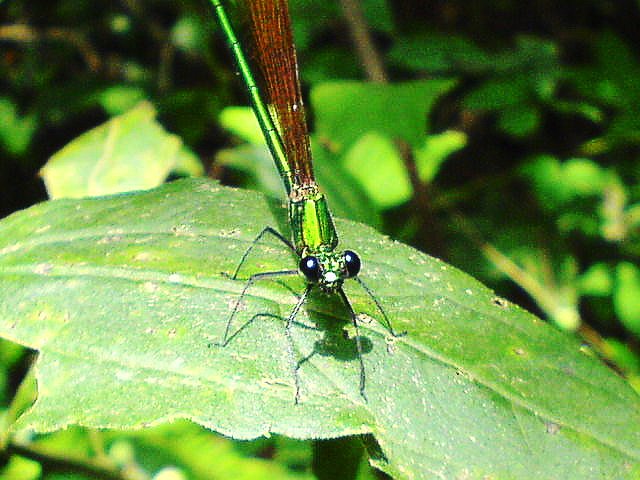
x=361, y=36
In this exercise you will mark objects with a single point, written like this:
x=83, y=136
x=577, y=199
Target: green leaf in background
x=437, y=53
x=344, y=111
x=610, y=80
x=256, y=162
x=549, y=277
x=20, y=468
x=223, y=461
x=129, y=152
x=499, y=93
x=16, y=131
x=338, y=458
x=242, y=122
x=626, y=359
x=10, y=355
x=253, y=159
x=435, y=150
x=557, y=183
x=311, y=18
x=328, y=63
x=583, y=195
x=119, y=99
x=373, y=159
x=361, y=122
x=533, y=62
x=345, y=196
x=626, y=296
x=511, y=82
x=191, y=34
x=125, y=298
x=519, y=121
x=171, y=448
x=596, y=281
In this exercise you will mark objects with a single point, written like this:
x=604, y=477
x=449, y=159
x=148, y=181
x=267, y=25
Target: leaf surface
x=125, y=299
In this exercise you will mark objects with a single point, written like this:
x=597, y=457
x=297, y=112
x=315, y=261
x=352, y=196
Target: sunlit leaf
x=346, y=110
x=118, y=99
x=126, y=297
x=242, y=122
x=345, y=195
x=626, y=295
x=596, y=281
x=129, y=152
x=434, y=152
x=373, y=160
x=16, y=131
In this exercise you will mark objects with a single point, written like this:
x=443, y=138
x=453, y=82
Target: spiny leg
x=358, y=342
x=267, y=315
x=253, y=278
x=290, y=345
x=266, y=230
x=246, y=324
x=387, y=322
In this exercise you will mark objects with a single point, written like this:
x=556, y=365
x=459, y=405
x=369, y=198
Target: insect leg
x=266, y=230
x=252, y=279
x=354, y=319
x=290, y=346
x=387, y=322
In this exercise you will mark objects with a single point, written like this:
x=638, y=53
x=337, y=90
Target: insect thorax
x=311, y=223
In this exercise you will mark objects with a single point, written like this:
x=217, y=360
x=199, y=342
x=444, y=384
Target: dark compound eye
x=310, y=268
x=352, y=262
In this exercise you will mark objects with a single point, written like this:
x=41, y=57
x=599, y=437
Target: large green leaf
x=344, y=111
x=125, y=299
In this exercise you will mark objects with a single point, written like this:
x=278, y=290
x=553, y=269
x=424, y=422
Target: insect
x=281, y=115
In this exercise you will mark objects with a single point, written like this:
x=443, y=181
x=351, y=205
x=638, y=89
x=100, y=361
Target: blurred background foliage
x=505, y=138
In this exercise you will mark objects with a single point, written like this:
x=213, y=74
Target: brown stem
x=361, y=36
x=504, y=264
